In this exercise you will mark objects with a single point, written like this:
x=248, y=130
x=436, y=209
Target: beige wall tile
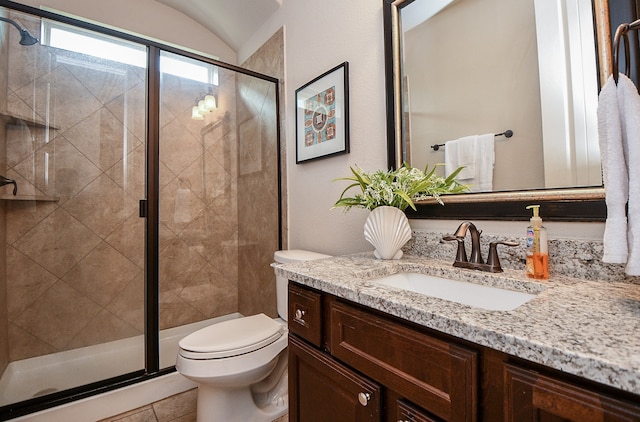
x=58, y=315
x=26, y=281
x=102, y=206
x=258, y=223
x=102, y=274
x=102, y=138
x=58, y=242
x=128, y=304
x=130, y=107
x=23, y=345
x=105, y=327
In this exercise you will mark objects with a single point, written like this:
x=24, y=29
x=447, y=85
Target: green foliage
x=399, y=188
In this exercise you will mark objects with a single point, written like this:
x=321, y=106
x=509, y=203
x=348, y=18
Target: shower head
x=25, y=37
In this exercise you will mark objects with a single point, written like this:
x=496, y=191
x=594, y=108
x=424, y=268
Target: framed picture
x=322, y=115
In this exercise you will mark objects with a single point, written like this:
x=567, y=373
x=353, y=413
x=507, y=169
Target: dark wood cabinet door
x=530, y=396
x=322, y=390
x=439, y=376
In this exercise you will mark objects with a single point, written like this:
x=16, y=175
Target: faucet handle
x=461, y=255
x=7, y=181
x=493, y=260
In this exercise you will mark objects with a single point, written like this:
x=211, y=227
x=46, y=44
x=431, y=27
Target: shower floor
x=41, y=375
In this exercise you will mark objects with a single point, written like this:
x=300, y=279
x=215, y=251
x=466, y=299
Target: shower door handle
x=144, y=208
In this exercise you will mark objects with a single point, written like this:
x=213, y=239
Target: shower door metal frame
x=149, y=209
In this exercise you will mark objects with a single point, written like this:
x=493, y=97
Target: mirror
x=543, y=90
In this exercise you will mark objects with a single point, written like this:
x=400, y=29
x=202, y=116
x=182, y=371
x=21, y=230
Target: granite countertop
x=587, y=328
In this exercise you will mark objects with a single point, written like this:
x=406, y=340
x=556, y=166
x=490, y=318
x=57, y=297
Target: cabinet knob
x=299, y=313
x=363, y=398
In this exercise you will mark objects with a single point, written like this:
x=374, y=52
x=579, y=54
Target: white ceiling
x=233, y=21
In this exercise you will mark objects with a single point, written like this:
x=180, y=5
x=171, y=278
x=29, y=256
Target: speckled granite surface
x=583, y=327
x=572, y=257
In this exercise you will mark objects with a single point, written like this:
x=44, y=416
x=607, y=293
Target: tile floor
x=178, y=408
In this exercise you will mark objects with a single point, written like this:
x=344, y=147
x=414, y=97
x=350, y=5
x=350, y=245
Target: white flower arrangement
x=399, y=188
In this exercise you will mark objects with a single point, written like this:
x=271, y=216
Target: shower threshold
x=41, y=375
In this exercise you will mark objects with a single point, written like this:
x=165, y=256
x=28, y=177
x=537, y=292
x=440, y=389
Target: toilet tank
x=286, y=257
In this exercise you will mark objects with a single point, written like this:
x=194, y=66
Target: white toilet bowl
x=227, y=359
x=240, y=365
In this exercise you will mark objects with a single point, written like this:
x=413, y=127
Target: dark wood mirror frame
x=571, y=204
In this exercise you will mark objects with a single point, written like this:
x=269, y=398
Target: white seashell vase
x=387, y=229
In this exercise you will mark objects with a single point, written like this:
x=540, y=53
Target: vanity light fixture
x=202, y=108
x=210, y=102
x=195, y=113
x=205, y=104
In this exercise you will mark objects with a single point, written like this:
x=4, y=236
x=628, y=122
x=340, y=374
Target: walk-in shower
x=133, y=224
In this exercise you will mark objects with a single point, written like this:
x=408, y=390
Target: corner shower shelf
x=41, y=198
x=10, y=119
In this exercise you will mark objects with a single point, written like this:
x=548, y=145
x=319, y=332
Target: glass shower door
x=73, y=139
x=198, y=198
x=218, y=196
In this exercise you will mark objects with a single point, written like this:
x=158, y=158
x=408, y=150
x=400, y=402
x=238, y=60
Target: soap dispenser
x=537, y=252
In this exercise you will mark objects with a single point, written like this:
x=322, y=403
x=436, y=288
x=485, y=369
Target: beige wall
x=147, y=18
x=473, y=69
x=319, y=35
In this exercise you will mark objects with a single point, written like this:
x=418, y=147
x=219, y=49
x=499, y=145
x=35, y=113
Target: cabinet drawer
x=439, y=376
x=305, y=314
x=533, y=396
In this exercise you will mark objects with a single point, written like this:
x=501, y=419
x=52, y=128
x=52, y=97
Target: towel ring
x=621, y=33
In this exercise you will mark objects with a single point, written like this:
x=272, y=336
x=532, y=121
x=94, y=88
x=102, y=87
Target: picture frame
x=322, y=115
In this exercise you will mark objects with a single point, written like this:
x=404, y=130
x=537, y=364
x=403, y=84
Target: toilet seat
x=231, y=338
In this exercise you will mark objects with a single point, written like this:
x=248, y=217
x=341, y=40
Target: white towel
x=461, y=153
x=485, y=158
x=629, y=106
x=476, y=154
x=614, y=171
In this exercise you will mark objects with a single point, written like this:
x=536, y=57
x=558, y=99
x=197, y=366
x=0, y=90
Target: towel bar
x=507, y=134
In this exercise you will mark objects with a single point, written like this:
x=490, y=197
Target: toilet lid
x=297, y=255
x=233, y=337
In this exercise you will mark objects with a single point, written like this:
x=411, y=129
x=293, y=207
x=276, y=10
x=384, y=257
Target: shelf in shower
x=40, y=198
x=27, y=121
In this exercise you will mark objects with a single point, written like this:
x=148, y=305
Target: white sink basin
x=479, y=296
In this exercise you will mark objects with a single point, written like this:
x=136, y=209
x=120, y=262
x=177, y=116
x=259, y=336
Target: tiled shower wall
x=74, y=272
x=258, y=179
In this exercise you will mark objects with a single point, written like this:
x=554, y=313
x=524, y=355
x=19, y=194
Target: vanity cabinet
x=349, y=363
x=343, y=356
x=531, y=396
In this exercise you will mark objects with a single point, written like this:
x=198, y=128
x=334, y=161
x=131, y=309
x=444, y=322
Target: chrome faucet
x=476, y=262
x=5, y=181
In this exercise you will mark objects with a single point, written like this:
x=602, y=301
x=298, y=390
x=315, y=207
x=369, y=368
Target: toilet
x=240, y=365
